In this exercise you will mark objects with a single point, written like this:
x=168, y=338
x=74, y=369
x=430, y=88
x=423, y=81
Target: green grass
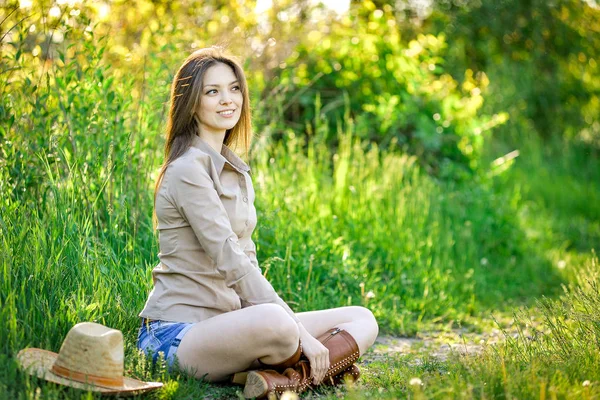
x=338, y=221
x=355, y=225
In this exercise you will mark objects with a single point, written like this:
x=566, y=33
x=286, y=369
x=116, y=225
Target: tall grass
x=371, y=229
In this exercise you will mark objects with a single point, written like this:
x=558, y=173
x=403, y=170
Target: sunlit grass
x=419, y=253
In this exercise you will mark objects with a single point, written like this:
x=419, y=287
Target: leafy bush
x=541, y=57
x=396, y=92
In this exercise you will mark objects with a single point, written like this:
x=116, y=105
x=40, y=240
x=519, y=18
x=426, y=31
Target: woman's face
x=221, y=100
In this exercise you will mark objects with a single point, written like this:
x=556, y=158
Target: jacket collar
x=226, y=155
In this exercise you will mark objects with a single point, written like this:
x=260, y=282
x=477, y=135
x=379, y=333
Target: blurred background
x=433, y=77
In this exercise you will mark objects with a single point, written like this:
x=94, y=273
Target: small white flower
x=415, y=382
x=561, y=264
x=370, y=294
x=586, y=383
x=484, y=261
x=289, y=396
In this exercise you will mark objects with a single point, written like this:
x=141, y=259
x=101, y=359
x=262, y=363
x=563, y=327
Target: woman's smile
x=226, y=113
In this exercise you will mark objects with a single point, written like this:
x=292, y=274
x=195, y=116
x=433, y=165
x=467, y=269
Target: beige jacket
x=206, y=215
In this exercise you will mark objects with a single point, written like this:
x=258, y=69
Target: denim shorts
x=162, y=336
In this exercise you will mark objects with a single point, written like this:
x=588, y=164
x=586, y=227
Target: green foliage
x=542, y=58
x=346, y=215
x=357, y=66
x=397, y=92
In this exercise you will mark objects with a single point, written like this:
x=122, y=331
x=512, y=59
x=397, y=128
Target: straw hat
x=90, y=358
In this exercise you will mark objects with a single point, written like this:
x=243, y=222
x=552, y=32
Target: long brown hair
x=185, y=98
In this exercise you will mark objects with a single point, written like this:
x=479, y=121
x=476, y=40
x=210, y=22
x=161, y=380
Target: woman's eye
x=211, y=91
x=235, y=88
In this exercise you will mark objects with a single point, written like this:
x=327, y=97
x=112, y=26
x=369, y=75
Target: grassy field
x=355, y=227
x=508, y=247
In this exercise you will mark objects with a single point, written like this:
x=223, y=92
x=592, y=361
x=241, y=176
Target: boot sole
x=256, y=385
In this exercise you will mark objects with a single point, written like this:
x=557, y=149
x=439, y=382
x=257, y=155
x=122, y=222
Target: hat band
x=88, y=378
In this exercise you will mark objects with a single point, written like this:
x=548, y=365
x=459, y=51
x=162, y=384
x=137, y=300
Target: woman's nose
x=225, y=99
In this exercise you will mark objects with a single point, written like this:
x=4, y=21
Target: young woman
x=210, y=306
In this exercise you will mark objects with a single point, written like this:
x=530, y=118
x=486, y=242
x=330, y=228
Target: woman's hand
x=317, y=354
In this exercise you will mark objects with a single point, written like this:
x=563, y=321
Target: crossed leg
x=232, y=342
x=358, y=321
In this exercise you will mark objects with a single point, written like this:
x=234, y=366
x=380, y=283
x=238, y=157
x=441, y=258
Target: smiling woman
x=211, y=308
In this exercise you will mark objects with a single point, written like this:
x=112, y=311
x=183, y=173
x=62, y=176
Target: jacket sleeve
x=250, y=251
x=198, y=202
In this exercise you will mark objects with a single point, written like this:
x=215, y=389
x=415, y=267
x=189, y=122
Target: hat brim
x=39, y=362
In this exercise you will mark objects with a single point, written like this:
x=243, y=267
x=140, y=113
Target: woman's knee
x=366, y=317
x=362, y=313
x=276, y=325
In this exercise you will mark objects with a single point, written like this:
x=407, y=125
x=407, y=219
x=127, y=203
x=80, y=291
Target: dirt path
x=437, y=344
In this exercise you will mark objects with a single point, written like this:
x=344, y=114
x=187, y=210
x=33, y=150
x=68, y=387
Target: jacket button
x=245, y=199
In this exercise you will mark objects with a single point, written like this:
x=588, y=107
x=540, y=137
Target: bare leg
x=357, y=321
x=231, y=342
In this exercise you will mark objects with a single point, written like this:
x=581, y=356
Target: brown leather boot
x=351, y=374
x=343, y=353
x=266, y=383
x=240, y=378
